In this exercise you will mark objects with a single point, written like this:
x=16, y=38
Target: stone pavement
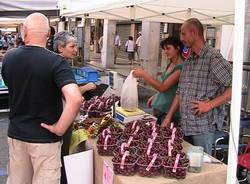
x=122, y=66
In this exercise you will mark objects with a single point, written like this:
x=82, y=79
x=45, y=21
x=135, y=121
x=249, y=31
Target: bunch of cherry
x=176, y=166
x=125, y=155
x=149, y=165
x=120, y=150
x=146, y=149
x=98, y=106
x=114, y=131
x=133, y=131
x=130, y=140
x=107, y=140
x=124, y=164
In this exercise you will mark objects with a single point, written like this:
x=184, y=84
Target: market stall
x=130, y=147
x=212, y=170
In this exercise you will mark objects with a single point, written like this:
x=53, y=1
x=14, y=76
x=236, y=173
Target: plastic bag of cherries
x=106, y=145
x=132, y=124
x=175, y=167
x=149, y=165
x=169, y=132
x=130, y=140
x=98, y=106
x=120, y=150
x=170, y=148
x=124, y=164
x=115, y=132
x=154, y=136
x=149, y=148
x=133, y=131
x=150, y=127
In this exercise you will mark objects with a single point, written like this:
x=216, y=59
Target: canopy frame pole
x=238, y=55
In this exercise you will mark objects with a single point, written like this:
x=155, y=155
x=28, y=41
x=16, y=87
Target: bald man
x=37, y=79
x=204, y=86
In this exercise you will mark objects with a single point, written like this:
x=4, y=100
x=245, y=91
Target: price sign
x=108, y=175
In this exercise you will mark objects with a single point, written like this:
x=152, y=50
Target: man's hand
x=201, y=107
x=52, y=128
x=166, y=122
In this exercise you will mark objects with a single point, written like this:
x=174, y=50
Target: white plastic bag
x=129, y=95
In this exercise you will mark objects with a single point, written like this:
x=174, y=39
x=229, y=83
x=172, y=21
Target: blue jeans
x=204, y=140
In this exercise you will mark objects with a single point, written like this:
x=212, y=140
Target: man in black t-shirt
x=37, y=79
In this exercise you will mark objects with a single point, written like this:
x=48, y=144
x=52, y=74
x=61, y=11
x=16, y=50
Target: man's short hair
x=194, y=22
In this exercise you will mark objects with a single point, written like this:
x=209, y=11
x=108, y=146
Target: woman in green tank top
x=167, y=84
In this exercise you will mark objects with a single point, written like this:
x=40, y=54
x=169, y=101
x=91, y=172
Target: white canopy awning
x=176, y=11
x=20, y=5
x=13, y=12
x=10, y=22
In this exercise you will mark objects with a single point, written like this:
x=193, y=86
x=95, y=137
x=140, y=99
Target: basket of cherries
x=124, y=164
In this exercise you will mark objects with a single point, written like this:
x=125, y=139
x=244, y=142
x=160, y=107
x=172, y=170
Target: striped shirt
x=204, y=77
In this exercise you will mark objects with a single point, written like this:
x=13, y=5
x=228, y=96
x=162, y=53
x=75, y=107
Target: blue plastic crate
x=85, y=74
x=79, y=79
x=2, y=85
x=89, y=73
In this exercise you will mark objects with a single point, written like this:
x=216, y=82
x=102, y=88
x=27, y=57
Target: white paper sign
x=79, y=167
x=108, y=174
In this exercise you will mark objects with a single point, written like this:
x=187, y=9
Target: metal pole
x=238, y=51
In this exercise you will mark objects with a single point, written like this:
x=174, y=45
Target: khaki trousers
x=138, y=51
x=33, y=163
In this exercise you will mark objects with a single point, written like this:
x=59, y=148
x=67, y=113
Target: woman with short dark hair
x=168, y=81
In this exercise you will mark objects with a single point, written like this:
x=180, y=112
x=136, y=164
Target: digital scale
x=126, y=116
x=119, y=113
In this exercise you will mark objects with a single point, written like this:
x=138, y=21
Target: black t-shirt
x=34, y=76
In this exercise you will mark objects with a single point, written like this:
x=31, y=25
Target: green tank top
x=163, y=100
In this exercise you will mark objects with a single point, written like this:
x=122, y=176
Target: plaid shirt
x=204, y=77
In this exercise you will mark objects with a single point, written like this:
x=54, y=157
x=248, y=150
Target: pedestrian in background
x=50, y=41
x=5, y=42
x=116, y=47
x=19, y=42
x=130, y=49
x=138, y=46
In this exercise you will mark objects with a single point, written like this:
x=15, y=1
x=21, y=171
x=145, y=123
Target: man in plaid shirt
x=204, y=86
